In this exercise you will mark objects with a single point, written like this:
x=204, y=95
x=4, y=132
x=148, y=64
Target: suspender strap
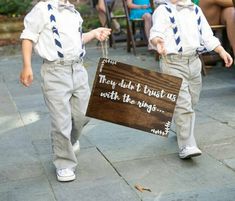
x=202, y=49
x=175, y=30
x=55, y=32
x=83, y=45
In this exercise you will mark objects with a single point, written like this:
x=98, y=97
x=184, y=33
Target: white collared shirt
x=186, y=22
x=38, y=28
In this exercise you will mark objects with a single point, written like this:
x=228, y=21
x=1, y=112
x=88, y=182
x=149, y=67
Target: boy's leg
x=184, y=117
x=79, y=120
x=184, y=114
x=195, y=84
x=79, y=101
x=57, y=86
x=188, y=98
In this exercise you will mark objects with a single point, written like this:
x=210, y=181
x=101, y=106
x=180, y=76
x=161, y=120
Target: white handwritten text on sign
x=133, y=97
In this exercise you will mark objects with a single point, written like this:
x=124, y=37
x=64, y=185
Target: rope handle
x=104, y=48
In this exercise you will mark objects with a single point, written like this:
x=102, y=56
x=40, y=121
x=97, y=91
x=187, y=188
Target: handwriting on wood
x=133, y=97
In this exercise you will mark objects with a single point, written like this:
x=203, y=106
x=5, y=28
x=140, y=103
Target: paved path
x=113, y=159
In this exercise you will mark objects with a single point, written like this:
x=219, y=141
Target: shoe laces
x=184, y=147
x=65, y=171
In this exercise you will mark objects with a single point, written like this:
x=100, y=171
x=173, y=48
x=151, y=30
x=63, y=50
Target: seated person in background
x=100, y=7
x=141, y=9
x=220, y=12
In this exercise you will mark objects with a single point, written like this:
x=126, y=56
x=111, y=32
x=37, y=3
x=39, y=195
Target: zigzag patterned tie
x=202, y=49
x=55, y=32
x=175, y=30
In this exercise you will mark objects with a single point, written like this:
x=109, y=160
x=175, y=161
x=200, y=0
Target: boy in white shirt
x=54, y=29
x=179, y=33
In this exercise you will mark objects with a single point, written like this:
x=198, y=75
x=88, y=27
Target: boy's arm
x=26, y=75
x=207, y=35
x=224, y=55
x=100, y=34
x=159, y=29
x=212, y=43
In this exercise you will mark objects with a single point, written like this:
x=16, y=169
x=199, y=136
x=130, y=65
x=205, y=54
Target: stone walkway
x=113, y=158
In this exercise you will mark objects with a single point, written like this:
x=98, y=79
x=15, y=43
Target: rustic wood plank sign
x=133, y=97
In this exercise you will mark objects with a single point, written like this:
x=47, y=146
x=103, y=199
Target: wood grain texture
x=133, y=97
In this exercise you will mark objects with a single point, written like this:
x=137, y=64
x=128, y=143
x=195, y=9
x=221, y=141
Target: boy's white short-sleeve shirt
x=186, y=21
x=38, y=28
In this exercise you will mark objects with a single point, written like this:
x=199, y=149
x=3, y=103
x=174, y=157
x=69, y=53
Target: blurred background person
x=100, y=7
x=220, y=12
x=141, y=9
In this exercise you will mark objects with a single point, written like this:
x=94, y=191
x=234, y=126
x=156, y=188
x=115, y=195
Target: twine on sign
x=164, y=59
x=104, y=48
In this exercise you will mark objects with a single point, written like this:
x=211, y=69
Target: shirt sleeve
x=208, y=38
x=34, y=23
x=159, y=23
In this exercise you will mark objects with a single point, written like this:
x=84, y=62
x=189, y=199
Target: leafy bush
x=90, y=18
x=84, y=9
x=90, y=22
x=14, y=7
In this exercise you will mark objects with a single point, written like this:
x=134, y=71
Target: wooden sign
x=133, y=97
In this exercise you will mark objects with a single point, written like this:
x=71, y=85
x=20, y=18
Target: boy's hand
x=159, y=43
x=102, y=33
x=26, y=76
x=228, y=60
x=161, y=48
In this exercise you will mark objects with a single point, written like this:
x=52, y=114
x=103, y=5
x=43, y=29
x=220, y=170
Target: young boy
x=180, y=32
x=54, y=29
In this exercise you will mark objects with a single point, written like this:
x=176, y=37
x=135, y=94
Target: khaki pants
x=189, y=69
x=66, y=93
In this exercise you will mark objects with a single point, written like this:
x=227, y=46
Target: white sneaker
x=189, y=151
x=76, y=147
x=65, y=174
